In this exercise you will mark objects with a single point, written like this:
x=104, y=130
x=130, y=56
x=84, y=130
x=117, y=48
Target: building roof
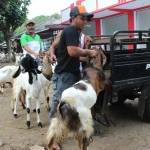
x=121, y=8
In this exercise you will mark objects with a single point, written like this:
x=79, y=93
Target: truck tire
x=144, y=104
x=130, y=94
x=121, y=98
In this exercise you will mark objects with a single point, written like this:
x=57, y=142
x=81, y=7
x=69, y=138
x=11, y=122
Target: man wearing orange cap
x=68, y=51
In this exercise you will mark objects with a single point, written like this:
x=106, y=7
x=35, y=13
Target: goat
x=100, y=111
x=2, y=56
x=32, y=82
x=47, y=72
x=74, y=111
x=6, y=75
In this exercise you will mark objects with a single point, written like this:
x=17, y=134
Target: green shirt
x=33, y=42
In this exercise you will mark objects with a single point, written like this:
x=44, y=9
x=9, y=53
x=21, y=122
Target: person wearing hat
x=30, y=41
x=67, y=70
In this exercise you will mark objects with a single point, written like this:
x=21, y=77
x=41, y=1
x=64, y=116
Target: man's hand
x=36, y=55
x=53, y=58
x=93, y=53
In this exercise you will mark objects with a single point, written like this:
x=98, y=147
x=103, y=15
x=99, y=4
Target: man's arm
x=75, y=51
x=72, y=42
x=84, y=59
x=54, y=45
x=87, y=42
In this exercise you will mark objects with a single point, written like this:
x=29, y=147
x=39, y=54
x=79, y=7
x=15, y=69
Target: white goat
x=32, y=93
x=33, y=88
x=2, y=56
x=6, y=75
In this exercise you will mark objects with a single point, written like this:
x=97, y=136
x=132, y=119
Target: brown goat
x=99, y=61
x=100, y=111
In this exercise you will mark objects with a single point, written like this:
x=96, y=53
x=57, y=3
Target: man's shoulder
x=69, y=29
x=37, y=35
x=23, y=35
x=28, y=35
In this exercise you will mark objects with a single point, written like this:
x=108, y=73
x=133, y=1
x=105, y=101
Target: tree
x=55, y=17
x=12, y=14
x=1, y=37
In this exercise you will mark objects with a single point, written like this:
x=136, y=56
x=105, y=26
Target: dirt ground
x=128, y=134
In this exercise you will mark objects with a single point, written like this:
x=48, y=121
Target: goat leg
x=15, y=106
x=38, y=111
x=105, y=109
x=83, y=143
x=48, y=104
x=28, y=111
x=22, y=97
x=2, y=88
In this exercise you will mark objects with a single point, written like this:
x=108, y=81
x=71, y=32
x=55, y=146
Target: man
x=30, y=41
x=68, y=52
x=84, y=43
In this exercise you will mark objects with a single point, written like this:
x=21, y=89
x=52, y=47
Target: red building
x=112, y=15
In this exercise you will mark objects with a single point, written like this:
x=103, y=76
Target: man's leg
x=61, y=82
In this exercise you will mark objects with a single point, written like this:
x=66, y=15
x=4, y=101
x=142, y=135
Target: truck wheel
x=144, y=104
x=120, y=99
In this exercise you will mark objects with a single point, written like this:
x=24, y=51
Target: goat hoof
x=97, y=132
x=28, y=124
x=102, y=119
x=40, y=124
x=97, y=128
x=24, y=107
x=15, y=115
x=48, y=109
x=34, y=110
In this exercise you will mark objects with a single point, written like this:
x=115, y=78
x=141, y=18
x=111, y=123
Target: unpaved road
x=129, y=134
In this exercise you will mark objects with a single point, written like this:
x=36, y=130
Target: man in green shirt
x=30, y=41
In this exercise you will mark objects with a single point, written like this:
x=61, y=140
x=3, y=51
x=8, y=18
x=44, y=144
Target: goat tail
x=69, y=115
x=17, y=73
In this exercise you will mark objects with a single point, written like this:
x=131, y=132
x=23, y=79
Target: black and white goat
x=29, y=80
x=74, y=111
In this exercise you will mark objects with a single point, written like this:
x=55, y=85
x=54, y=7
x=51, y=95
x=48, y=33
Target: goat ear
x=17, y=73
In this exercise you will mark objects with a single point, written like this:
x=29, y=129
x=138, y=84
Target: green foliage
x=39, y=20
x=13, y=14
x=1, y=37
x=55, y=16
